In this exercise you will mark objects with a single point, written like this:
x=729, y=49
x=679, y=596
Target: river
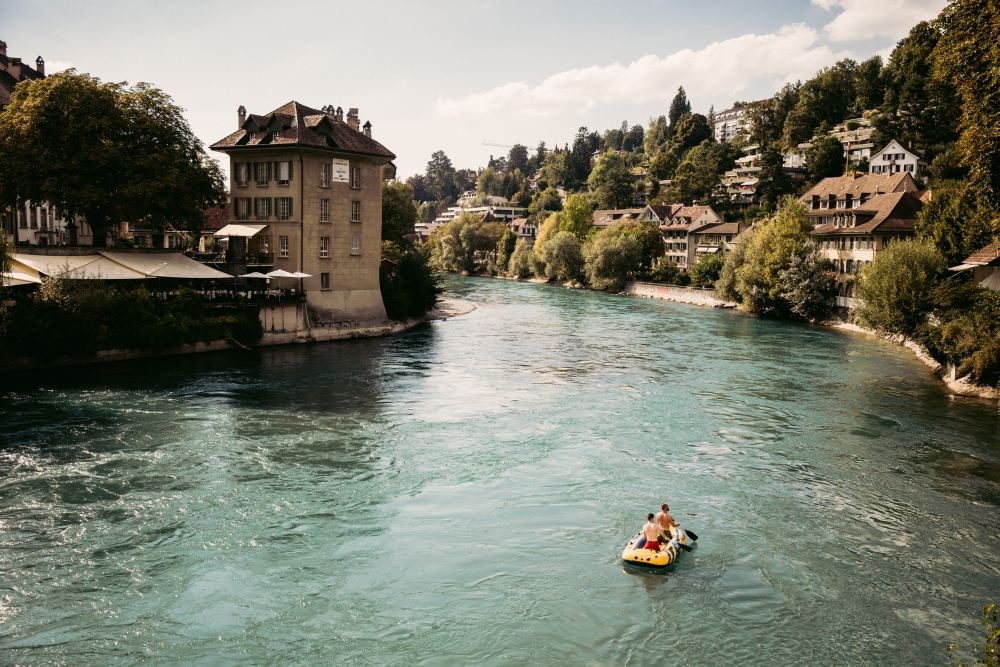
x=460, y=494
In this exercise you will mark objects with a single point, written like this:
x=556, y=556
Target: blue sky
x=454, y=76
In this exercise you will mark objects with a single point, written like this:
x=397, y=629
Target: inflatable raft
x=635, y=554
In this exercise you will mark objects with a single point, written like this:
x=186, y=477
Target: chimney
x=241, y=114
x=367, y=128
x=3, y=48
x=352, y=118
x=339, y=114
x=40, y=65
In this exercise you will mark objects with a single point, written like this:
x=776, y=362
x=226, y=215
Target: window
x=34, y=218
x=284, y=172
x=324, y=175
x=356, y=178
x=284, y=208
x=324, y=210
x=242, y=173
x=262, y=172
x=241, y=207
x=262, y=208
x=45, y=218
x=324, y=280
x=355, y=211
x=324, y=246
x=282, y=246
x=22, y=219
x=355, y=244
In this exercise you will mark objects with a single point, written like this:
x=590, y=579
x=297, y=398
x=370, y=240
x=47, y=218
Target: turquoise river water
x=460, y=494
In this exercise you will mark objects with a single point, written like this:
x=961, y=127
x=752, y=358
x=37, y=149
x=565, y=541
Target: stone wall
x=694, y=295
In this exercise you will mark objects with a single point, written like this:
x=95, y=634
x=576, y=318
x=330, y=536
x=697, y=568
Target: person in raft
x=651, y=531
x=665, y=521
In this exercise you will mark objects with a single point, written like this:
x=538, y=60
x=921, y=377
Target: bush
x=609, y=259
x=563, y=257
x=895, y=289
x=409, y=285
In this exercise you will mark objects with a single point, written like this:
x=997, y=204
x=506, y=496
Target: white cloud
x=51, y=67
x=864, y=19
x=722, y=71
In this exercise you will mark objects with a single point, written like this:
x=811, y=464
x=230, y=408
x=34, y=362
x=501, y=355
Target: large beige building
x=306, y=189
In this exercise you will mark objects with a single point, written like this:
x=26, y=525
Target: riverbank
x=706, y=298
x=445, y=309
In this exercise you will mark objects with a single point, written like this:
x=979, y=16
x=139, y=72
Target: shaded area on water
x=462, y=492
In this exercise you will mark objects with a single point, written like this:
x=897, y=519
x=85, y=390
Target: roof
x=605, y=217
x=893, y=212
x=990, y=255
x=723, y=228
x=111, y=265
x=300, y=126
x=858, y=184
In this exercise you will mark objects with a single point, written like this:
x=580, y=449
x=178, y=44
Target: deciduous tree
x=399, y=213
x=106, y=151
x=610, y=182
x=577, y=216
x=894, y=290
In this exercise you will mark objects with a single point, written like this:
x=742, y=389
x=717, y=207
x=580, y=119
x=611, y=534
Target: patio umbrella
x=254, y=274
x=280, y=273
x=299, y=274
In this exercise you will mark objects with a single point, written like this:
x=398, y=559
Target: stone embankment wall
x=694, y=295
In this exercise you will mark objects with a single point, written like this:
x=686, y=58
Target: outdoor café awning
x=962, y=267
x=15, y=278
x=111, y=265
x=240, y=230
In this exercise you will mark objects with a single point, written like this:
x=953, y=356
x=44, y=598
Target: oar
x=690, y=533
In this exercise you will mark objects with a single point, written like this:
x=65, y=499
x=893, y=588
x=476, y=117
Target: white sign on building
x=341, y=171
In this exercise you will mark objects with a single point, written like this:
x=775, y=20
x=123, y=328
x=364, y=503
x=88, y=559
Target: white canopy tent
x=111, y=265
x=245, y=231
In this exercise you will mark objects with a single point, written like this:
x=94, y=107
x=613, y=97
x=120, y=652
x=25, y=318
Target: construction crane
x=485, y=143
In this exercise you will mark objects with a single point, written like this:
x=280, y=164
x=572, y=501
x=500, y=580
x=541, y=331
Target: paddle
x=690, y=533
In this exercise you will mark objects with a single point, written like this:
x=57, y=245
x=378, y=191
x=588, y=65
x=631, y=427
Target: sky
x=469, y=77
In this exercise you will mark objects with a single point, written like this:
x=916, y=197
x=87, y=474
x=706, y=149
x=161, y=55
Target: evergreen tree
x=678, y=107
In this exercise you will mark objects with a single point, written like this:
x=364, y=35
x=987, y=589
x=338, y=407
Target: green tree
x=633, y=139
x=517, y=158
x=610, y=182
x=441, y=180
x=825, y=158
x=657, y=135
x=808, y=284
x=563, y=257
x=577, y=216
x=399, y=213
x=678, y=107
x=708, y=268
x=965, y=330
x=520, y=265
x=868, y=84
x=828, y=97
x=505, y=248
x=456, y=244
x=699, y=174
x=544, y=202
x=768, y=252
x=919, y=109
x=956, y=220
x=106, y=151
x=489, y=182
x=548, y=229
x=967, y=58
x=556, y=168
x=409, y=285
x=767, y=119
x=585, y=144
x=609, y=258
x=772, y=181
x=894, y=290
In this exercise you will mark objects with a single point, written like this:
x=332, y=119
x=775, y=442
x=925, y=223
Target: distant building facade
x=13, y=71
x=306, y=191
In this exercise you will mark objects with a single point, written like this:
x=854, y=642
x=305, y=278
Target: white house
x=894, y=159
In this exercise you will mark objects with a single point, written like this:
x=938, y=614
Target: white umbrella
x=254, y=274
x=299, y=274
x=281, y=273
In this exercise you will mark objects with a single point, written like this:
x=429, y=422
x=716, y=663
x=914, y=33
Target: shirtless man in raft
x=665, y=522
x=651, y=531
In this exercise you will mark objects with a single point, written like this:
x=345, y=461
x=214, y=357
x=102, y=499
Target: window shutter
x=289, y=170
x=290, y=200
x=277, y=170
x=256, y=208
x=256, y=166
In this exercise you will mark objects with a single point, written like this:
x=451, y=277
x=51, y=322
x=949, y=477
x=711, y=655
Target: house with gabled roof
x=894, y=159
x=985, y=266
x=678, y=224
x=852, y=237
x=850, y=191
x=306, y=191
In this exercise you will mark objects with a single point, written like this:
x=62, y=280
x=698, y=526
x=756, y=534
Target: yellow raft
x=667, y=554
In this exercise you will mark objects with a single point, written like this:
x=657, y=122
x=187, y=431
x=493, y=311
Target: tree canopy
x=399, y=213
x=106, y=151
x=610, y=181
